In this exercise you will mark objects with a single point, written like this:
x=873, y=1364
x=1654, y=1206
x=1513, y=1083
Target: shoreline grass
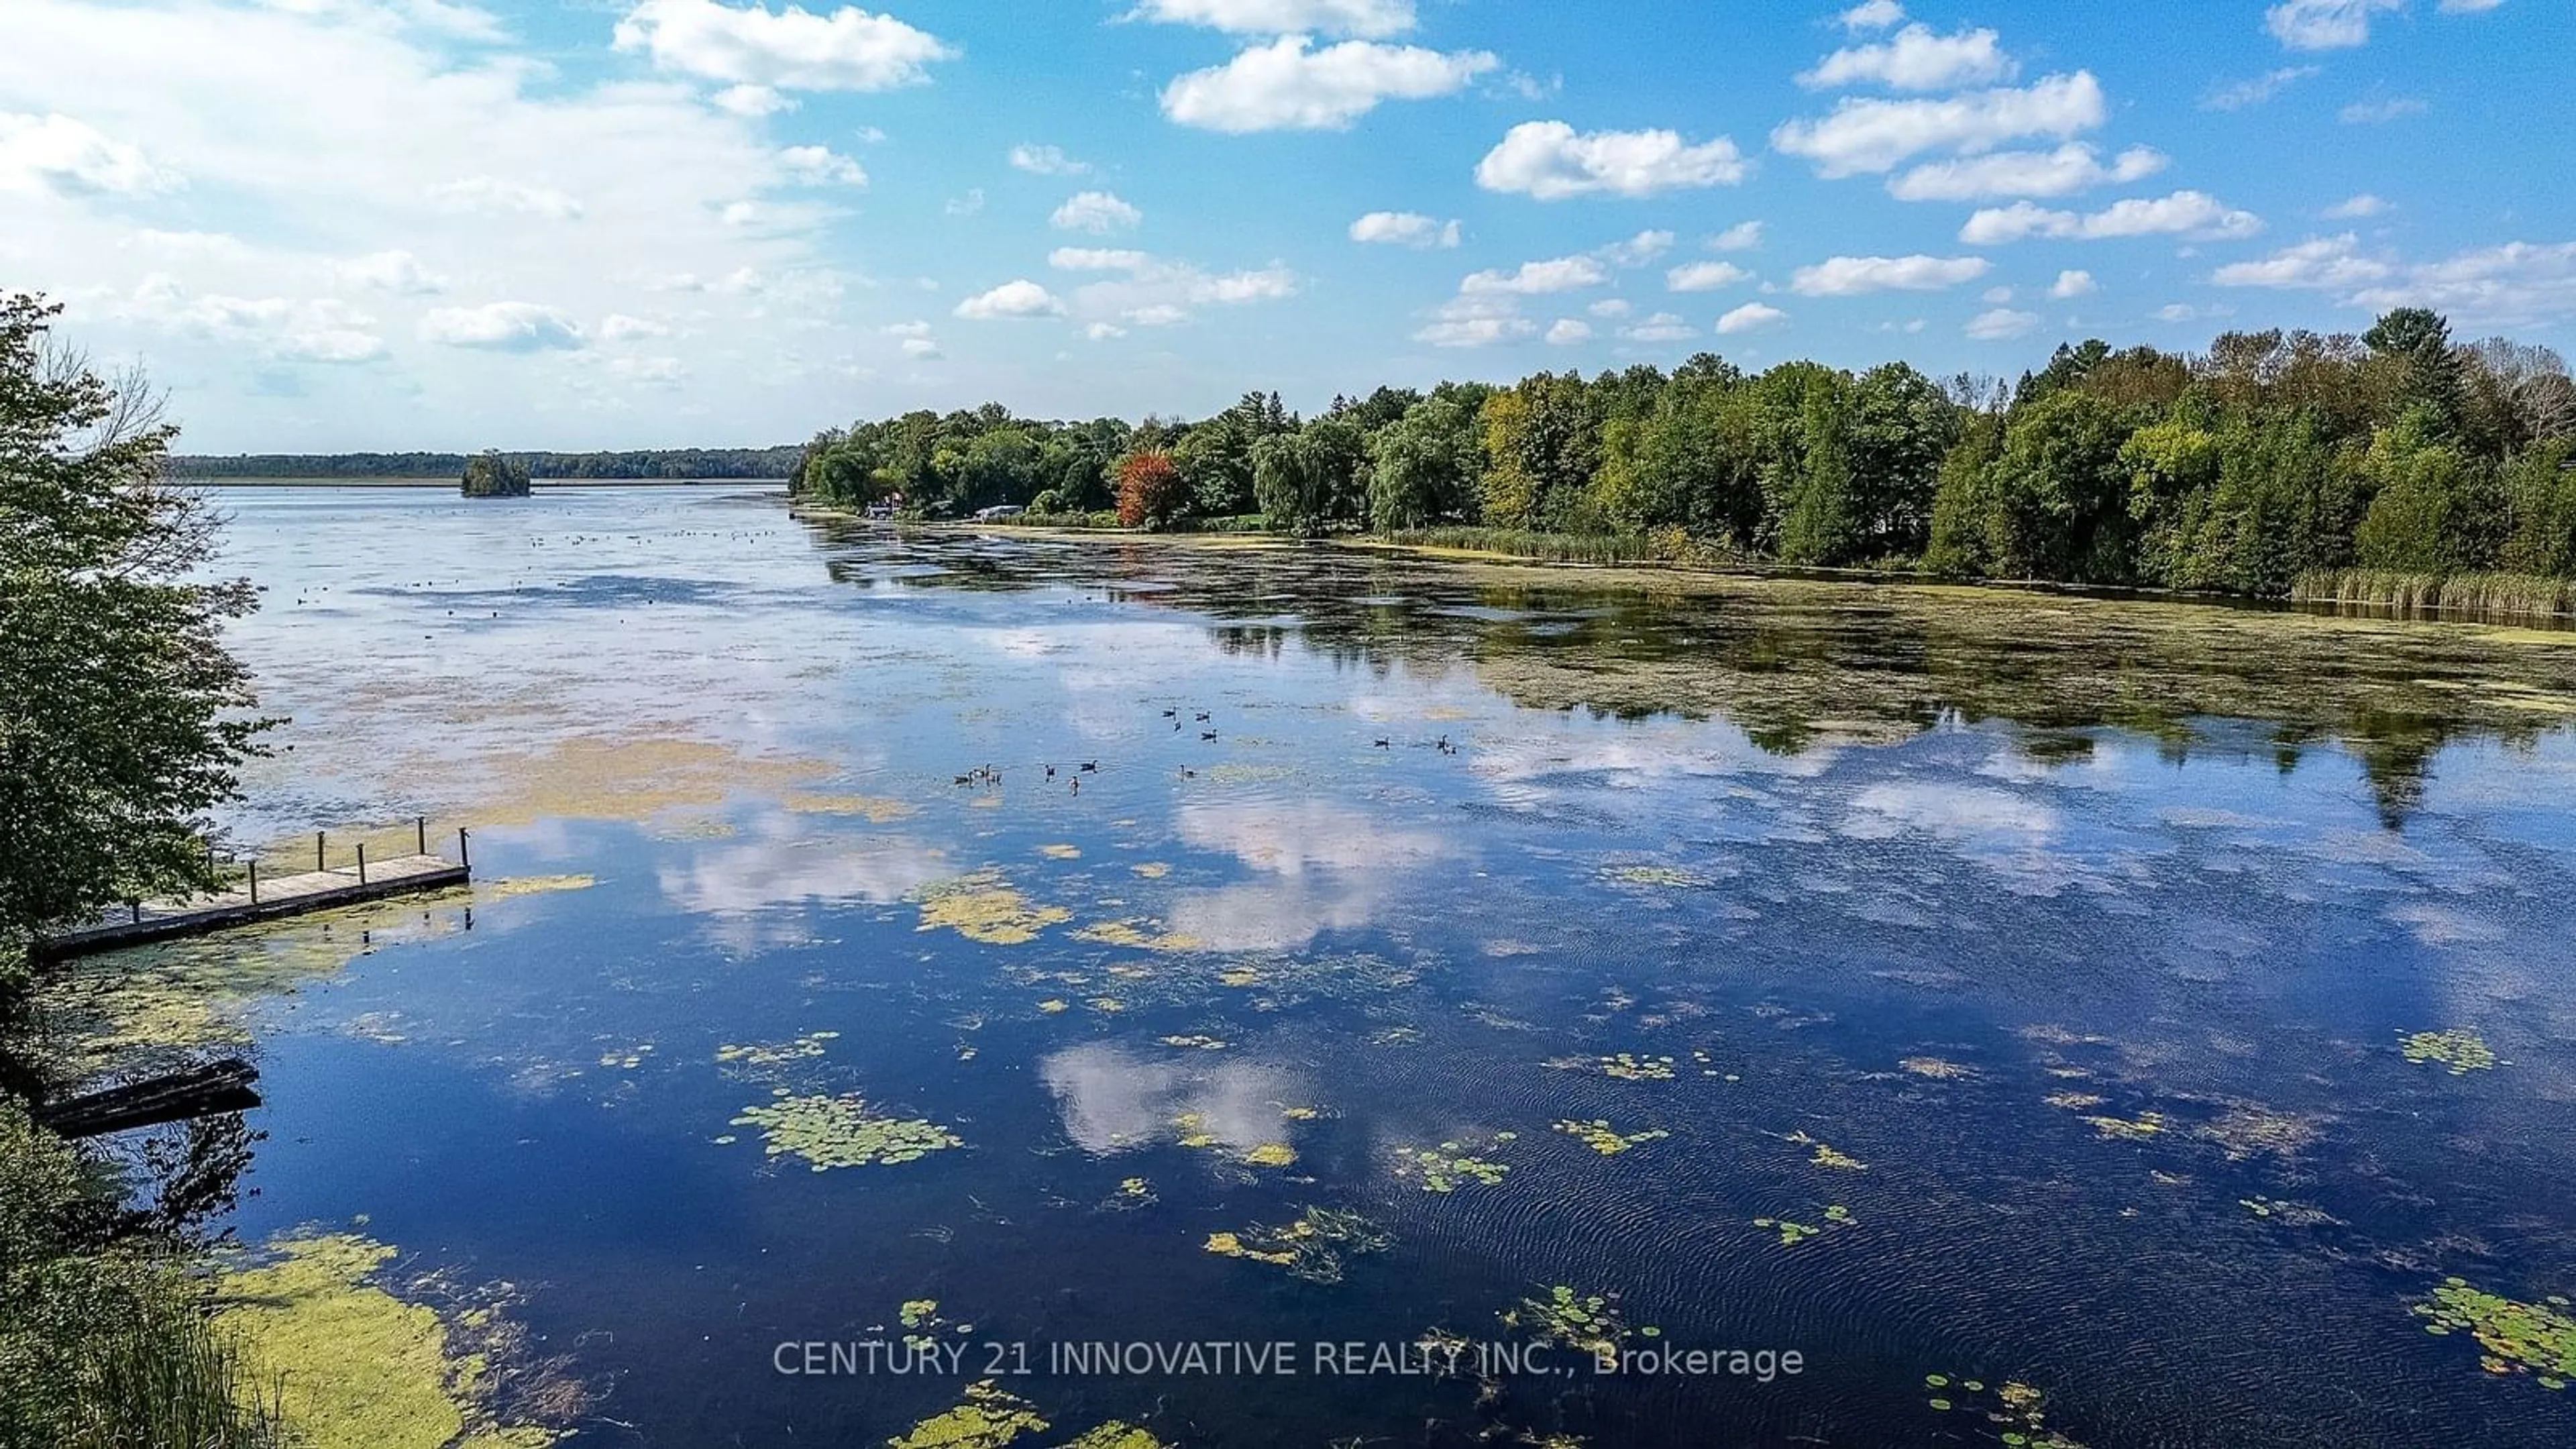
x=2477, y=596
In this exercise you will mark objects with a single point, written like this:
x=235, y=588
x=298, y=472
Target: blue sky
x=349, y=224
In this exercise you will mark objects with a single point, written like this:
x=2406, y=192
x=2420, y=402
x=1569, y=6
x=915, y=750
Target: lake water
x=2051, y=959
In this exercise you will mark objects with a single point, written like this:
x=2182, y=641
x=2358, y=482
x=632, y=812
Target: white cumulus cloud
x=1290, y=85
x=398, y=272
x=1566, y=332
x=1704, y=276
x=2073, y=284
x=820, y=166
x=1872, y=15
x=1751, y=317
x=2001, y=323
x=1661, y=327
x=2184, y=213
x=2070, y=168
x=1368, y=19
x=1551, y=161
x=1046, y=161
x=1098, y=212
x=1868, y=135
x=502, y=327
x=792, y=49
x=56, y=153
x=1564, y=274
x=1853, y=276
x=2353, y=208
x=1915, y=59
x=1744, y=236
x=1011, y=301
x=2325, y=24
x=1405, y=229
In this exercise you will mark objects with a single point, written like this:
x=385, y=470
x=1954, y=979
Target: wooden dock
x=271, y=898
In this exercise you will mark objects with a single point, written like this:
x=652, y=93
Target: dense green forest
x=646, y=463
x=2272, y=457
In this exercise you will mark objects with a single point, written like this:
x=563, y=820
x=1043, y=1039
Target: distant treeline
x=647, y=463
x=2271, y=458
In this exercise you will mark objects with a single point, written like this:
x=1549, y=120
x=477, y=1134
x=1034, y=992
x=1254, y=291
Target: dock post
x=137, y=907
x=317, y=851
x=362, y=862
x=420, y=823
x=254, y=880
x=464, y=857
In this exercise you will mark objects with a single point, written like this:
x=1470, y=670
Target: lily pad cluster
x=1793, y=1233
x=762, y=1056
x=2014, y=1408
x=843, y=1131
x=1315, y=1247
x=2461, y=1051
x=2519, y=1338
x=1453, y=1164
x=1589, y=1322
x=1601, y=1137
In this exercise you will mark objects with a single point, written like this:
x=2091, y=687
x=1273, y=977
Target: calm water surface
x=2087, y=928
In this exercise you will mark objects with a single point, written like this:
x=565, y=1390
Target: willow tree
x=123, y=719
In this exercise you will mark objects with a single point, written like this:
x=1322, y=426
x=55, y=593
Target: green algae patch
x=1625, y=1066
x=2246, y=1130
x=1138, y=935
x=2128, y=1129
x=769, y=1056
x=831, y=1132
x=2538, y=1339
x=1601, y=1137
x=1116, y=1435
x=1316, y=1247
x=989, y=1417
x=1825, y=1156
x=1195, y=1043
x=354, y=1366
x=1151, y=869
x=176, y=999
x=874, y=810
x=2461, y=1051
x=1271, y=1154
x=1061, y=852
x=493, y=892
x=1793, y=1233
x=1937, y=1069
x=983, y=907
x=2016, y=1410
x=1452, y=1165
x=1660, y=877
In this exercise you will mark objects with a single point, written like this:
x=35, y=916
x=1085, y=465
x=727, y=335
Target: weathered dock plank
x=288, y=895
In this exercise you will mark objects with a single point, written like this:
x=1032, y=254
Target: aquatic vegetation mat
x=1452, y=1165
x=2015, y=1410
x=1316, y=1247
x=2518, y=1338
x=830, y=1132
x=983, y=907
x=988, y=1417
x=357, y=1367
x=1793, y=1233
x=2462, y=1052
x=1590, y=1323
x=1601, y=1137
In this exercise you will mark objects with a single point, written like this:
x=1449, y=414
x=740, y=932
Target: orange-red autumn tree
x=1150, y=490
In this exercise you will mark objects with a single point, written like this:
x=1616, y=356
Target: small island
x=491, y=475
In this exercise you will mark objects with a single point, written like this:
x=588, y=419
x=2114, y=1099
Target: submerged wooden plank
x=198, y=1091
x=288, y=895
